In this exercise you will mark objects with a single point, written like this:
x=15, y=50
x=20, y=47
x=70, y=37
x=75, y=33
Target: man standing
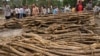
x=21, y=12
x=67, y=8
x=17, y=12
x=89, y=6
x=55, y=10
x=35, y=10
x=79, y=6
x=7, y=10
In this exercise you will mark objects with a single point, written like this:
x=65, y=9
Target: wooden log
x=14, y=50
x=77, y=36
x=65, y=31
x=55, y=52
x=22, y=50
x=32, y=48
x=55, y=47
x=37, y=37
x=6, y=53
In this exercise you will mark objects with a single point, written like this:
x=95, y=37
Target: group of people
x=89, y=7
x=24, y=11
x=20, y=12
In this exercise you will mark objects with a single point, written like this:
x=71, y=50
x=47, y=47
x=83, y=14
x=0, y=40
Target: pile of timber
x=53, y=35
x=34, y=45
x=54, y=24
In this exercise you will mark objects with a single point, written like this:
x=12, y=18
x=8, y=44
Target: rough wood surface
x=52, y=35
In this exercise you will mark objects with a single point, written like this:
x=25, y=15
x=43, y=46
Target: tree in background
x=71, y=2
x=46, y=2
x=0, y=3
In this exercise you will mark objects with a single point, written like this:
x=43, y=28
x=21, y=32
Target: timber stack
x=53, y=35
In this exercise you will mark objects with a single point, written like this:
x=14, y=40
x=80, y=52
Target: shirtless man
x=35, y=10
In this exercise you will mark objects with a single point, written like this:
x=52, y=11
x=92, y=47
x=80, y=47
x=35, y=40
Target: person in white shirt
x=43, y=10
x=7, y=10
x=67, y=8
x=48, y=10
x=17, y=12
x=28, y=11
x=21, y=12
x=12, y=12
x=96, y=10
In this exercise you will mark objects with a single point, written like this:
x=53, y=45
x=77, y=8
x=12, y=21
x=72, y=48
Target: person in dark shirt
x=89, y=6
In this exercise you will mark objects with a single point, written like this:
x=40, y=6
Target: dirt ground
x=1, y=17
x=11, y=33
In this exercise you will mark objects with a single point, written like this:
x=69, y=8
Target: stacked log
x=53, y=35
x=34, y=45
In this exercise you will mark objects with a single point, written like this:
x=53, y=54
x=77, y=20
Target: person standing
x=12, y=12
x=35, y=10
x=24, y=10
x=48, y=10
x=67, y=8
x=21, y=12
x=79, y=6
x=73, y=10
x=96, y=10
x=7, y=10
x=28, y=11
x=17, y=12
x=43, y=10
x=89, y=6
x=55, y=10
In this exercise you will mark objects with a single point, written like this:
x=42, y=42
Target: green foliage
x=71, y=2
x=56, y=3
x=45, y=2
x=30, y=2
x=96, y=2
x=42, y=3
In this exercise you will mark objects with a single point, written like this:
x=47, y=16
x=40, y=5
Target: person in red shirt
x=79, y=7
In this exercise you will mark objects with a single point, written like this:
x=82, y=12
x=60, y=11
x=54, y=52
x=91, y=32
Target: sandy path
x=11, y=33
